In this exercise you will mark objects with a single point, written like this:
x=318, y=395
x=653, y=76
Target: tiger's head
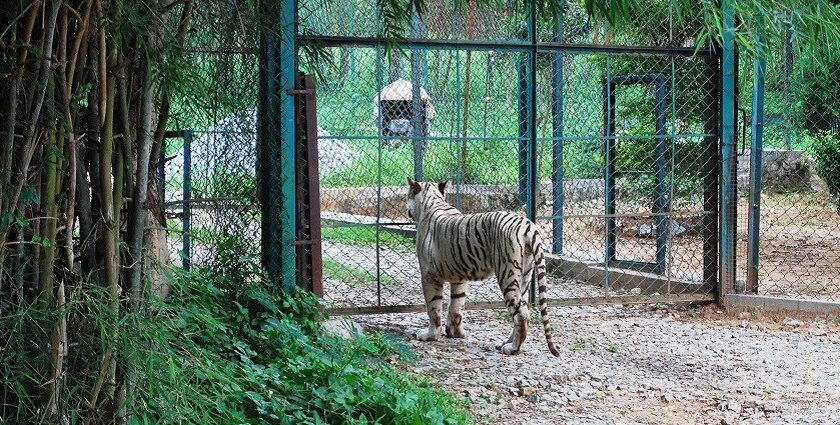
x=418, y=193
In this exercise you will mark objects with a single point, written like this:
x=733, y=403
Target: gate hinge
x=305, y=242
x=299, y=91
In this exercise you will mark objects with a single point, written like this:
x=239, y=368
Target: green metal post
x=418, y=115
x=557, y=171
x=533, y=174
x=276, y=153
x=379, y=86
x=186, y=237
x=756, y=153
x=728, y=195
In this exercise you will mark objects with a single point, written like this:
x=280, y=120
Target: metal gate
x=609, y=144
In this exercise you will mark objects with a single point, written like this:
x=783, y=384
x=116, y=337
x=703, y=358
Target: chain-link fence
x=605, y=138
x=798, y=228
x=208, y=159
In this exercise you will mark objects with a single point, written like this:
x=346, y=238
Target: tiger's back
x=472, y=247
x=458, y=248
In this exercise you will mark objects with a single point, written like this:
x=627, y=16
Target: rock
x=636, y=291
x=771, y=408
x=791, y=323
x=645, y=231
x=677, y=229
x=533, y=398
x=744, y=324
x=527, y=391
x=667, y=398
x=744, y=315
x=733, y=406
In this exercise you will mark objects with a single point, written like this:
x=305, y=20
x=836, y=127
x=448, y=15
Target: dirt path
x=628, y=365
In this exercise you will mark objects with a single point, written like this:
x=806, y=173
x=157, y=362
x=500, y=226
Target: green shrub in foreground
x=231, y=353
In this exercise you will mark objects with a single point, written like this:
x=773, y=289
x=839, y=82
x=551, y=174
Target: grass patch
x=365, y=235
x=352, y=275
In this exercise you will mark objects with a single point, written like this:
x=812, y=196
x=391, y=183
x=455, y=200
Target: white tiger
x=458, y=248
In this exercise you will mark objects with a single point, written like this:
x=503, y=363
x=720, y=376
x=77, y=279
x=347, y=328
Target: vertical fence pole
x=756, y=153
x=711, y=171
x=379, y=85
x=277, y=146
x=533, y=168
x=660, y=202
x=787, y=69
x=418, y=112
x=557, y=170
x=187, y=205
x=523, y=128
x=609, y=169
x=728, y=195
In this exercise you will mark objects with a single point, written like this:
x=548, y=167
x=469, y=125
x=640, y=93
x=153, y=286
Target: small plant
x=582, y=344
x=826, y=150
x=613, y=348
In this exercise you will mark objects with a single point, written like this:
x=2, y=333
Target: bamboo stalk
x=103, y=69
x=59, y=352
x=110, y=234
x=138, y=215
x=81, y=35
x=93, y=403
x=29, y=139
x=7, y=204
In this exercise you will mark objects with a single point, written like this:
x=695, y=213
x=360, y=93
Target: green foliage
x=826, y=150
x=223, y=350
x=817, y=91
x=816, y=21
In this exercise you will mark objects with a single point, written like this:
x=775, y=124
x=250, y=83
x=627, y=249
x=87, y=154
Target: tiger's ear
x=442, y=186
x=414, y=187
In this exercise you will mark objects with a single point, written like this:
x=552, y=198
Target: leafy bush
x=251, y=356
x=826, y=150
x=223, y=350
x=816, y=90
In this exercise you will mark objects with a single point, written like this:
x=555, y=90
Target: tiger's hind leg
x=513, y=293
x=433, y=293
x=458, y=295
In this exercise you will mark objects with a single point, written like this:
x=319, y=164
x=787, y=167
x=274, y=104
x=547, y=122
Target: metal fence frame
x=717, y=258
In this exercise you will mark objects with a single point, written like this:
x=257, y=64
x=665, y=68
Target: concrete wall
x=473, y=197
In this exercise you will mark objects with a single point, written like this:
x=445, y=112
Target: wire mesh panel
x=209, y=168
x=633, y=142
x=611, y=149
x=798, y=228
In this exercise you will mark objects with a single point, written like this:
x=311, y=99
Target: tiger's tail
x=539, y=264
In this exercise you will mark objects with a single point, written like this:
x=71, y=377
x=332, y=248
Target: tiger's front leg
x=457, y=297
x=433, y=293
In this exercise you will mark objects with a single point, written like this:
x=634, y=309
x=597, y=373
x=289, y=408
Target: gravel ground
x=638, y=365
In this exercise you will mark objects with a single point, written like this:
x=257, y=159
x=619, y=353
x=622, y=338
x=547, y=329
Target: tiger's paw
x=453, y=331
x=508, y=349
x=427, y=335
